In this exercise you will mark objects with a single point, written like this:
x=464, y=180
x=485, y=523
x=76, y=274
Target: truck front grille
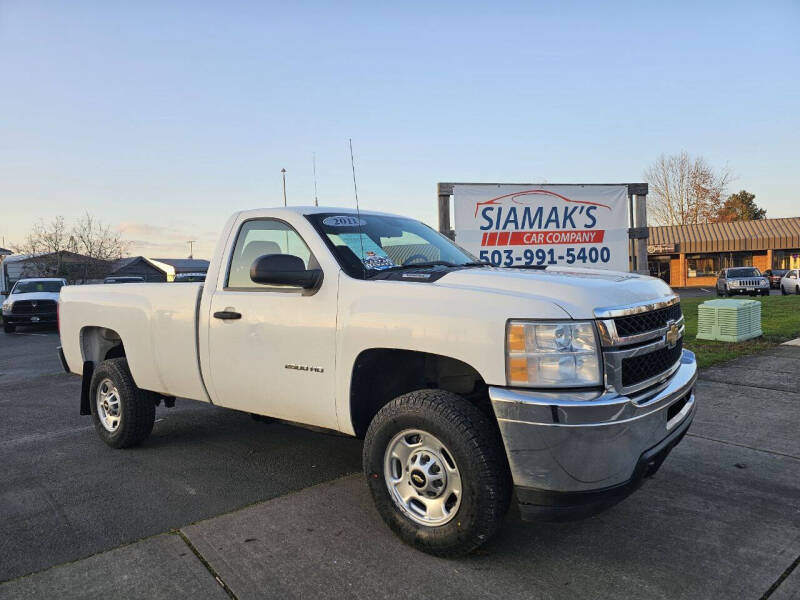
x=647, y=321
x=34, y=307
x=642, y=343
x=637, y=369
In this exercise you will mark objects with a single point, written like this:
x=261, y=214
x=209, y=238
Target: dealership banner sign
x=524, y=225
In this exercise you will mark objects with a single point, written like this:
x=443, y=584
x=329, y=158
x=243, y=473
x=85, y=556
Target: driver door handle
x=227, y=315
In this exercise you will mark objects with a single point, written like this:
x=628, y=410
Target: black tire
x=137, y=407
x=783, y=291
x=9, y=328
x=797, y=290
x=725, y=292
x=474, y=442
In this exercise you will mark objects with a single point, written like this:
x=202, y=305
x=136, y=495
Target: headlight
x=7, y=306
x=552, y=354
x=733, y=283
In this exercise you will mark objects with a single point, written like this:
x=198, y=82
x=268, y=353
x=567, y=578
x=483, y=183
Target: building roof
x=5, y=252
x=185, y=265
x=763, y=234
x=64, y=254
x=169, y=266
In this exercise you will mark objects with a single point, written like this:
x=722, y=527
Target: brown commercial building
x=693, y=255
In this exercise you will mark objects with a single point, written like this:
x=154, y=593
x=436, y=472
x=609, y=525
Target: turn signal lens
x=518, y=370
x=516, y=338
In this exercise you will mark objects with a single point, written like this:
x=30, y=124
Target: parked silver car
x=790, y=283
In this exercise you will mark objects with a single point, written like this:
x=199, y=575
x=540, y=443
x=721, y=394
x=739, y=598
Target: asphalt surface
x=66, y=495
x=217, y=505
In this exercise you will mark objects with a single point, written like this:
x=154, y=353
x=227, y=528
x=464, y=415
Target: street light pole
x=283, y=173
x=191, y=247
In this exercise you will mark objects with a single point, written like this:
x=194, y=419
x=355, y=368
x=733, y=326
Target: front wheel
x=783, y=291
x=9, y=328
x=123, y=414
x=437, y=471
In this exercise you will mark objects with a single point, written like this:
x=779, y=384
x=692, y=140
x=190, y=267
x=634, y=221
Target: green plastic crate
x=729, y=320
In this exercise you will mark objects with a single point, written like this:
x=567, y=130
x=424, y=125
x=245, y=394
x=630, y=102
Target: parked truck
x=470, y=384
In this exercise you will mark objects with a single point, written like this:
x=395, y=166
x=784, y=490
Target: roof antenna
x=314, y=165
x=358, y=211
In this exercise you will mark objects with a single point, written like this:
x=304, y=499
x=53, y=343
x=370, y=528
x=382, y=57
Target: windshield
x=385, y=242
x=744, y=272
x=26, y=287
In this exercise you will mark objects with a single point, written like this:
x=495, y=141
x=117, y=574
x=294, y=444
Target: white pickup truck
x=467, y=382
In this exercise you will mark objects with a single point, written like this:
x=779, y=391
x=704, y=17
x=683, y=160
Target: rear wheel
x=797, y=289
x=9, y=328
x=123, y=414
x=437, y=472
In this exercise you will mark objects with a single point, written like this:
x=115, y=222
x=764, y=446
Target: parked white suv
x=32, y=301
x=568, y=386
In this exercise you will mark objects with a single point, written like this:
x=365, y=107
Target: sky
x=162, y=118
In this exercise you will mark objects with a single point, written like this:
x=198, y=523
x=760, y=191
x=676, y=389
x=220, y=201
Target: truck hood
x=34, y=296
x=577, y=291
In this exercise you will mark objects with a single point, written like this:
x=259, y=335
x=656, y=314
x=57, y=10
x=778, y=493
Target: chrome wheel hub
x=422, y=477
x=108, y=405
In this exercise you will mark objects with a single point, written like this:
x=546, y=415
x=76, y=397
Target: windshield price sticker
x=524, y=225
x=372, y=255
x=343, y=221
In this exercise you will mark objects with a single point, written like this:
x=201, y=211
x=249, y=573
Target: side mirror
x=284, y=269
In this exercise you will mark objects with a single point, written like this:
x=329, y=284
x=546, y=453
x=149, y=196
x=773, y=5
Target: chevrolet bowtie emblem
x=673, y=334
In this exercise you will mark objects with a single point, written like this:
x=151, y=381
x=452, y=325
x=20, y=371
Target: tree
x=50, y=245
x=741, y=207
x=96, y=239
x=45, y=238
x=684, y=190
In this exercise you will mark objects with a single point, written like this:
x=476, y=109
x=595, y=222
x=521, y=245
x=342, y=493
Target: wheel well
x=100, y=343
x=381, y=374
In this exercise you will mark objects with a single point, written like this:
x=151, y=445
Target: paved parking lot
x=217, y=505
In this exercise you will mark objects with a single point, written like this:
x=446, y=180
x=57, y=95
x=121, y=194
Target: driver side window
x=257, y=238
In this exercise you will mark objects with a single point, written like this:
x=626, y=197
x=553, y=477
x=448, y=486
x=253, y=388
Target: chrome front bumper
x=583, y=442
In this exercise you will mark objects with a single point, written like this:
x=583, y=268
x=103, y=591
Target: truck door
x=272, y=348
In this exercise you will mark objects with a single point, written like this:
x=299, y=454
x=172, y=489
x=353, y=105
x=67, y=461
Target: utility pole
x=191, y=246
x=283, y=173
x=314, y=164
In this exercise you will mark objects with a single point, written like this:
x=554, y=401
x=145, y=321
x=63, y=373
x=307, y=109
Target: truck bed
x=157, y=323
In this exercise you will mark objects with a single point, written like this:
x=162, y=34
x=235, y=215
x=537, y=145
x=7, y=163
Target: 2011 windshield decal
x=343, y=221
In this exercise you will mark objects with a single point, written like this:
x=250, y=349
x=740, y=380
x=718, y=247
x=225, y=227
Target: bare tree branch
x=684, y=190
x=47, y=244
